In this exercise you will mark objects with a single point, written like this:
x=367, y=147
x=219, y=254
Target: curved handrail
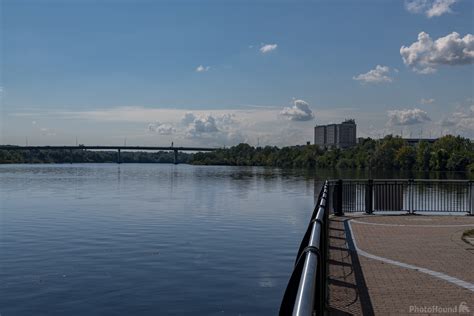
x=307, y=288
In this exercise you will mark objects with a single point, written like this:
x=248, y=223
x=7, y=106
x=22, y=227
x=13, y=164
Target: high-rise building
x=346, y=134
x=320, y=135
x=331, y=134
x=336, y=135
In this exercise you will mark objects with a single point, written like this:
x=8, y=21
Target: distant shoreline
x=448, y=153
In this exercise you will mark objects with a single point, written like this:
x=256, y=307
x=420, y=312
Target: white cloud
x=217, y=130
x=188, y=118
x=266, y=48
x=407, y=117
x=462, y=120
x=427, y=101
x=425, y=55
x=237, y=124
x=416, y=6
x=431, y=8
x=208, y=123
x=300, y=111
x=202, y=124
x=161, y=128
x=378, y=75
x=227, y=119
x=202, y=68
x=440, y=7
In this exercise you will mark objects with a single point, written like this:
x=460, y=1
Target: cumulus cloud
x=202, y=68
x=219, y=129
x=427, y=101
x=407, y=117
x=300, y=111
x=202, y=124
x=257, y=124
x=188, y=118
x=425, y=55
x=161, y=128
x=266, y=48
x=440, y=7
x=227, y=119
x=431, y=8
x=378, y=75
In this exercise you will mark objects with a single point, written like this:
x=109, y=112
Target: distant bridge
x=416, y=141
x=118, y=148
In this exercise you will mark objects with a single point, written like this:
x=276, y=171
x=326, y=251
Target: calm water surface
x=148, y=239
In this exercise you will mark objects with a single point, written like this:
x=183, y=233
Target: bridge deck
x=104, y=147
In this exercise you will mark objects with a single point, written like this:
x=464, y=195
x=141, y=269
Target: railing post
x=119, y=160
x=369, y=193
x=411, y=196
x=338, y=198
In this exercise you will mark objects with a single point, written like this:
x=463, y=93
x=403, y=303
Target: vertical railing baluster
x=338, y=201
x=471, y=206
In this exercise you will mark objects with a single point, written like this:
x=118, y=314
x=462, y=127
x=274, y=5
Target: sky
x=217, y=73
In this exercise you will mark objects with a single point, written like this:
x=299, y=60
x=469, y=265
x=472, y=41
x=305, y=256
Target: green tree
x=385, y=152
x=405, y=157
x=439, y=159
x=423, y=155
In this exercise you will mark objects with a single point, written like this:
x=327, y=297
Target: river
x=149, y=239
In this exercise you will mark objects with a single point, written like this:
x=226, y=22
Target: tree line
x=89, y=156
x=448, y=153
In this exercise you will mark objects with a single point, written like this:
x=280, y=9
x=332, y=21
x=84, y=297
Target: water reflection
x=170, y=239
x=128, y=239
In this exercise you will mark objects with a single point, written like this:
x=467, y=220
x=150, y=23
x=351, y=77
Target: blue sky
x=108, y=70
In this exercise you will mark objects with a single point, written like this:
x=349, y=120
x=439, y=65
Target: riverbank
x=448, y=153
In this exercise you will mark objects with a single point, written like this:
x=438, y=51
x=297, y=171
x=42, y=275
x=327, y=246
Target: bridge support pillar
x=175, y=156
x=119, y=160
x=71, y=152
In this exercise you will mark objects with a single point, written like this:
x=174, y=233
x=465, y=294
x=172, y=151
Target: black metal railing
x=307, y=290
x=408, y=195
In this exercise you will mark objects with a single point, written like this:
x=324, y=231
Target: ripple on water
x=148, y=239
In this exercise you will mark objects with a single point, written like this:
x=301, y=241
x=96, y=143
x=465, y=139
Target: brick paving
x=365, y=286
x=347, y=293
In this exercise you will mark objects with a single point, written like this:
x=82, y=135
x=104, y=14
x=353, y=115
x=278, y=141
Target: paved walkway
x=399, y=265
